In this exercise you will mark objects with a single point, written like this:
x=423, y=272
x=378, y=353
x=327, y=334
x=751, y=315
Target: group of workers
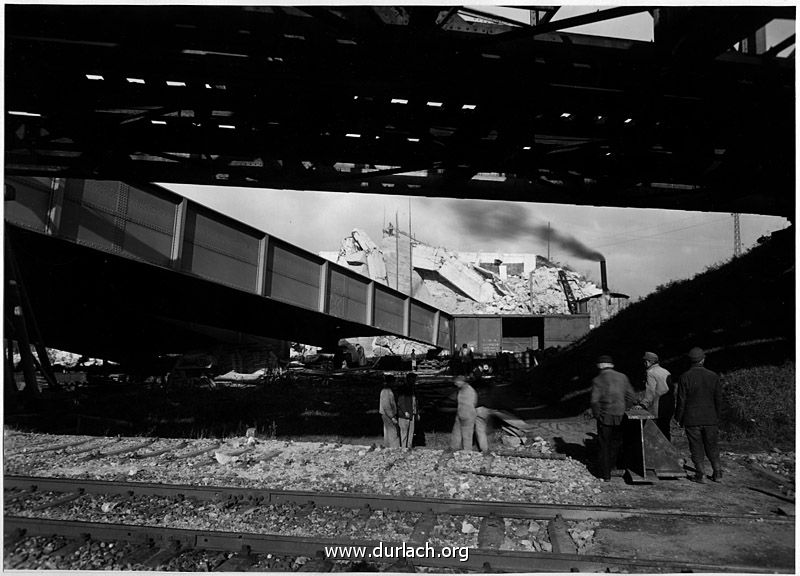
x=697, y=399
x=400, y=414
x=475, y=410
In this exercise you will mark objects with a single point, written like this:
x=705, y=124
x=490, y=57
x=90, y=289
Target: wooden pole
x=410, y=255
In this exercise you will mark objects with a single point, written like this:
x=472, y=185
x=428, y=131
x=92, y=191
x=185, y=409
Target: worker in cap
x=464, y=425
x=612, y=394
x=657, y=386
x=698, y=411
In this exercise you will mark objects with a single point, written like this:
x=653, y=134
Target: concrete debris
x=452, y=283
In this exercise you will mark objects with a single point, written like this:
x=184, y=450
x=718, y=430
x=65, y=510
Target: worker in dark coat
x=612, y=394
x=698, y=411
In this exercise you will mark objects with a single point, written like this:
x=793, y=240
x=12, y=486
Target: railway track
x=49, y=506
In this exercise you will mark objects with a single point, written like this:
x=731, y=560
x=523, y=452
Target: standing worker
x=464, y=425
x=612, y=394
x=361, y=358
x=413, y=359
x=657, y=385
x=465, y=355
x=388, y=412
x=407, y=411
x=698, y=410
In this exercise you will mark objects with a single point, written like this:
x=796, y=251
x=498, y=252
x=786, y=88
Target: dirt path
x=712, y=540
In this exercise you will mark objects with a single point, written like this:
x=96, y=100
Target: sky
x=644, y=248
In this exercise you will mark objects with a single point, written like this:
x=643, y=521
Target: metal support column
x=406, y=316
x=178, y=233
x=323, y=287
x=370, y=318
x=53, y=225
x=261, y=275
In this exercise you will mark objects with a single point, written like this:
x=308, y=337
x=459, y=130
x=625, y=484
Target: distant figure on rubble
x=388, y=412
x=698, y=411
x=407, y=410
x=656, y=387
x=464, y=425
x=413, y=359
x=465, y=356
x=361, y=358
x=612, y=394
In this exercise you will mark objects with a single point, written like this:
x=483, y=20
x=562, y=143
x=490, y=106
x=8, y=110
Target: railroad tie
x=239, y=562
x=70, y=547
x=492, y=532
x=401, y=565
x=152, y=454
x=58, y=501
x=92, y=447
x=423, y=529
x=559, y=537
x=164, y=554
x=196, y=453
x=39, y=448
x=319, y=564
x=13, y=536
x=124, y=450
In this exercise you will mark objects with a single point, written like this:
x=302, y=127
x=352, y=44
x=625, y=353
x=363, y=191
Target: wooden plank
x=559, y=537
x=509, y=476
x=492, y=532
x=771, y=493
x=769, y=475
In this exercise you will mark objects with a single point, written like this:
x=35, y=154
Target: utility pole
x=548, y=241
x=410, y=255
x=397, y=252
x=737, y=237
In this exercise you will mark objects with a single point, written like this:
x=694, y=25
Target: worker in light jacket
x=656, y=392
x=464, y=425
x=698, y=411
x=612, y=394
x=388, y=412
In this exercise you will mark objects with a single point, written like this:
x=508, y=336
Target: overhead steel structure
x=130, y=272
x=414, y=100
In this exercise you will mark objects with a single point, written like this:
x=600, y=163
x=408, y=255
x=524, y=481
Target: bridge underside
x=111, y=307
x=355, y=98
x=113, y=269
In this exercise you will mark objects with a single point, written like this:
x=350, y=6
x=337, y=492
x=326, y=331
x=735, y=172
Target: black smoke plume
x=489, y=222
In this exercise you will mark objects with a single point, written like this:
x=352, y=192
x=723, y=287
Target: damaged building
x=477, y=283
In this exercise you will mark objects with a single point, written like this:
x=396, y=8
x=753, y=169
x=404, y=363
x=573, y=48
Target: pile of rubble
x=441, y=278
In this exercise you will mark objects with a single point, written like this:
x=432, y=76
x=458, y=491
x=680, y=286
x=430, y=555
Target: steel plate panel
x=347, y=296
x=151, y=210
x=29, y=208
x=388, y=311
x=421, y=322
x=144, y=243
x=215, y=250
x=444, y=337
x=293, y=277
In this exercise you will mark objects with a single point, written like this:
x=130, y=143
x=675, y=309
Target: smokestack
x=603, y=277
